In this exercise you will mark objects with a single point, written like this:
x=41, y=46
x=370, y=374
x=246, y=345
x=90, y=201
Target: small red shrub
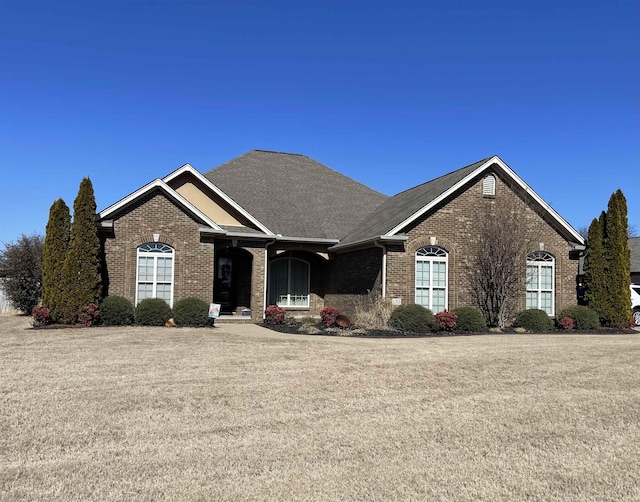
x=328, y=315
x=41, y=316
x=566, y=323
x=88, y=314
x=447, y=321
x=274, y=315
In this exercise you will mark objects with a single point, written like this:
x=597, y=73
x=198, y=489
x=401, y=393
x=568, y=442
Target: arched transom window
x=540, y=281
x=289, y=282
x=154, y=278
x=431, y=278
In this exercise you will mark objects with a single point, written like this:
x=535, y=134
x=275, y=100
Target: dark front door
x=232, y=280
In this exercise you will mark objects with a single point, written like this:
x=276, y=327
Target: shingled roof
x=398, y=208
x=294, y=195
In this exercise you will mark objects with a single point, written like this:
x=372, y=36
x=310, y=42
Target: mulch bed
x=380, y=333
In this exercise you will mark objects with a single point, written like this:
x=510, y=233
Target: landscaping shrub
x=534, y=320
x=328, y=316
x=373, y=311
x=152, y=312
x=191, y=312
x=88, y=314
x=565, y=322
x=274, y=315
x=446, y=320
x=116, y=311
x=583, y=316
x=470, y=320
x=41, y=316
x=413, y=318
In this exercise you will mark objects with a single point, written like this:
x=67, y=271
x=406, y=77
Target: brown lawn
x=204, y=414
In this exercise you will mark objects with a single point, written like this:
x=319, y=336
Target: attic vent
x=489, y=185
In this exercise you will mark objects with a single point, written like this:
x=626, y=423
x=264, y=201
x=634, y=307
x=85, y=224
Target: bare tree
x=497, y=267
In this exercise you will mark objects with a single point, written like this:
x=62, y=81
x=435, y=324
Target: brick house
x=278, y=228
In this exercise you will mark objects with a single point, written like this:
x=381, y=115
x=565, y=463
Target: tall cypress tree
x=618, y=262
x=595, y=293
x=56, y=245
x=81, y=271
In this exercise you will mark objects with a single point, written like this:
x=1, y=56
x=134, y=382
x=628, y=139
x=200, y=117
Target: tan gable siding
x=207, y=205
x=454, y=228
x=156, y=214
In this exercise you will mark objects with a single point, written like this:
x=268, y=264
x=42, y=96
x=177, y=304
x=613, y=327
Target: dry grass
x=186, y=414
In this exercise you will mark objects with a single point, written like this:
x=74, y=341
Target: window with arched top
x=154, y=274
x=541, y=281
x=431, y=291
x=289, y=282
x=489, y=185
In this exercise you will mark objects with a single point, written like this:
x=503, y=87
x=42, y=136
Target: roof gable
x=158, y=184
x=227, y=205
x=293, y=195
x=403, y=209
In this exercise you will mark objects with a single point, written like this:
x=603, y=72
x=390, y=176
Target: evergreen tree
x=595, y=294
x=618, y=262
x=21, y=265
x=81, y=271
x=56, y=244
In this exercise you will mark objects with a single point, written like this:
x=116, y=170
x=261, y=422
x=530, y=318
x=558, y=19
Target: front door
x=232, y=280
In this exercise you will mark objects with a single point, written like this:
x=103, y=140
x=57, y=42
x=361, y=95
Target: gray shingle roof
x=634, y=246
x=294, y=195
x=398, y=208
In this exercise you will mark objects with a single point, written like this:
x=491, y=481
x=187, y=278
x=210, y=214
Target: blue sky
x=392, y=94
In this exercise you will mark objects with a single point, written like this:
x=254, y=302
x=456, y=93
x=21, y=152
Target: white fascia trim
x=371, y=240
x=493, y=160
x=190, y=169
x=158, y=183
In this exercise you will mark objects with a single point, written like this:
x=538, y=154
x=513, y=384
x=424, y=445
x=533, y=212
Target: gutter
x=372, y=240
x=259, y=235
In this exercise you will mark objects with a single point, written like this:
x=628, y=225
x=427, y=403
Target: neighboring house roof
x=295, y=196
x=634, y=247
x=393, y=216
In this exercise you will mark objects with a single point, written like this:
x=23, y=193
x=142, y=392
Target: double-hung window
x=431, y=278
x=154, y=278
x=289, y=282
x=540, y=281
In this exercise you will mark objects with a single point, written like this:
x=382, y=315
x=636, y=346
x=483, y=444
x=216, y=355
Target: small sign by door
x=214, y=310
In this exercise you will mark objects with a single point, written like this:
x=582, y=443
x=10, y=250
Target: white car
x=635, y=303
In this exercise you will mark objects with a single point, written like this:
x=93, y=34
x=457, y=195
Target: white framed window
x=489, y=185
x=289, y=282
x=541, y=282
x=432, y=270
x=154, y=273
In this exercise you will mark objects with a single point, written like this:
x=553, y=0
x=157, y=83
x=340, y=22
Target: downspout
x=264, y=282
x=384, y=267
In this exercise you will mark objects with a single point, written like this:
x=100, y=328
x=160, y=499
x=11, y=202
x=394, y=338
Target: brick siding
x=454, y=228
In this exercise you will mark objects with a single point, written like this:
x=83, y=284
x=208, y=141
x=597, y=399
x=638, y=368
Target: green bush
x=152, y=312
x=413, y=318
x=470, y=320
x=116, y=311
x=191, y=312
x=583, y=317
x=534, y=320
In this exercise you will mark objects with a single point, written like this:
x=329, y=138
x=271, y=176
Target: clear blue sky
x=392, y=94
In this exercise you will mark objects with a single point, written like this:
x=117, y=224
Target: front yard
x=202, y=414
